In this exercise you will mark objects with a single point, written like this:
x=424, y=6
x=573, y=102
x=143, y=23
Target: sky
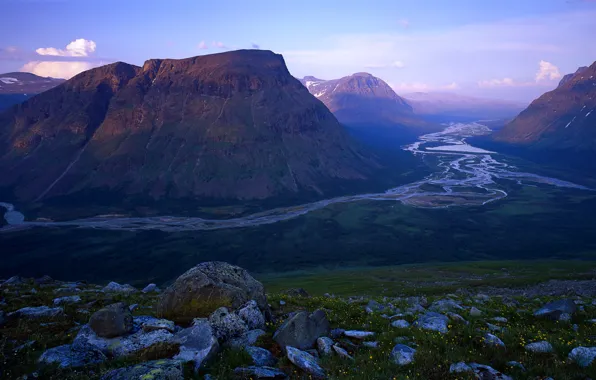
x=505, y=49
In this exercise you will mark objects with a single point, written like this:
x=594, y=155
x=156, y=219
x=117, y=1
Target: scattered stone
x=516, y=365
x=249, y=338
x=373, y=307
x=338, y=333
x=197, y=343
x=457, y=318
x=260, y=373
x=261, y=357
x=13, y=281
x=24, y=346
x=402, y=354
x=67, y=300
x=575, y=327
x=114, y=287
x=475, y=312
x=112, y=321
x=400, y=323
x=443, y=306
x=67, y=356
x=207, y=287
x=297, y=292
x=227, y=325
x=251, y=314
x=165, y=369
x=324, y=346
x=371, y=344
x=44, y=280
x=583, y=356
x=33, y=291
x=500, y=319
x=495, y=328
x=565, y=317
x=488, y=373
x=357, y=334
x=151, y=288
x=342, y=353
x=282, y=302
x=539, y=347
x=492, y=340
x=158, y=324
x=460, y=367
x=305, y=362
x=433, y=321
x=555, y=309
x=302, y=330
x=37, y=312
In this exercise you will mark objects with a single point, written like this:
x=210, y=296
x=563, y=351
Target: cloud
x=52, y=69
x=547, y=71
x=394, y=64
x=403, y=22
x=77, y=48
x=202, y=45
x=255, y=46
x=497, y=82
x=422, y=87
x=219, y=44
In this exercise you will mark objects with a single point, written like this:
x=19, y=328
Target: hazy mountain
x=17, y=87
x=234, y=125
x=445, y=107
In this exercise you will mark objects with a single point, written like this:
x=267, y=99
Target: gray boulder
x=583, y=356
x=114, y=287
x=539, y=347
x=301, y=330
x=252, y=316
x=554, y=310
x=249, y=338
x=207, y=287
x=165, y=369
x=67, y=300
x=460, y=367
x=227, y=325
x=305, y=362
x=67, y=356
x=324, y=346
x=485, y=372
x=112, y=321
x=261, y=357
x=433, y=321
x=158, y=324
x=402, y=354
x=197, y=343
x=400, y=324
x=37, y=312
x=443, y=306
x=255, y=372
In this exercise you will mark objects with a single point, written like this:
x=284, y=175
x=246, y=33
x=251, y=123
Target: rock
x=373, y=307
x=457, y=318
x=400, y=324
x=357, y=334
x=33, y=291
x=67, y=300
x=282, y=302
x=302, y=330
x=305, y=362
x=261, y=357
x=44, y=280
x=433, y=321
x=485, y=372
x=402, y=354
x=165, y=369
x=133, y=307
x=338, y=333
x=251, y=314
x=495, y=328
x=112, y=321
x=197, y=343
x=500, y=319
x=565, y=317
x=158, y=324
x=114, y=287
x=227, y=325
x=13, y=281
x=371, y=344
x=583, y=356
x=151, y=288
x=207, y=287
x=37, y=312
x=475, y=312
x=260, y=373
x=342, y=353
x=492, y=340
x=325, y=346
x=539, y=347
x=249, y=338
x=443, y=306
x=555, y=309
x=460, y=367
x=297, y=292
x=516, y=365
x=68, y=356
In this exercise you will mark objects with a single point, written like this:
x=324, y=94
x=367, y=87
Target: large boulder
x=207, y=287
x=556, y=309
x=583, y=356
x=301, y=330
x=112, y=321
x=165, y=369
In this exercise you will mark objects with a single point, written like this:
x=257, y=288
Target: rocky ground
x=216, y=322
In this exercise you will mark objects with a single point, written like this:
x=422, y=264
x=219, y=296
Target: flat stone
x=371, y=344
x=114, y=287
x=583, y=356
x=495, y=328
x=67, y=300
x=460, y=367
x=305, y=362
x=516, y=365
x=539, y=347
x=255, y=372
x=342, y=353
x=67, y=356
x=37, y=312
x=402, y=354
x=357, y=334
x=489, y=373
x=400, y=324
x=433, y=321
x=454, y=317
x=261, y=357
x=500, y=319
x=443, y=306
x=158, y=324
x=165, y=369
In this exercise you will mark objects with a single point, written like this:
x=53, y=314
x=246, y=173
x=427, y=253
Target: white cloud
x=547, y=71
x=202, y=45
x=219, y=44
x=77, y=48
x=497, y=82
x=64, y=70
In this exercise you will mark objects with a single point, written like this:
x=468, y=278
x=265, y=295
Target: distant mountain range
x=229, y=126
x=17, y=87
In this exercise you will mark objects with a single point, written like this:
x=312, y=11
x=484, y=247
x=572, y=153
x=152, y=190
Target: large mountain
x=18, y=87
x=234, y=125
x=560, y=124
x=447, y=107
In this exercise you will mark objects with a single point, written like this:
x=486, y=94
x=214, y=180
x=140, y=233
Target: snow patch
x=588, y=114
x=7, y=80
x=460, y=148
x=572, y=120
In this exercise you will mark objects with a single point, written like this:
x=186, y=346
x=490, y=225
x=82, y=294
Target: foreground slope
x=234, y=125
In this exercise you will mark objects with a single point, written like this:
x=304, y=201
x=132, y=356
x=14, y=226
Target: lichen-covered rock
x=67, y=300
x=207, y=287
x=158, y=324
x=325, y=346
x=301, y=330
x=68, y=356
x=252, y=315
x=460, y=367
x=433, y=321
x=485, y=372
x=112, y=321
x=402, y=354
x=165, y=369
x=554, y=310
x=261, y=357
x=197, y=343
x=255, y=372
x=539, y=347
x=114, y=287
x=305, y=362
x=249, y=338
x=227, y=325
x=37, y=312
x=583, y=356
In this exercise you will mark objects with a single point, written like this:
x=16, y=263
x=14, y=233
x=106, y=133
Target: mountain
x=448, y=107
x=18, y=87
x=560, y=125
x=568, y=77
x=229, y=126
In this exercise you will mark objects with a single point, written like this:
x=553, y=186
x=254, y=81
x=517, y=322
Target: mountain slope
x=234, y=125
x=18, y=87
